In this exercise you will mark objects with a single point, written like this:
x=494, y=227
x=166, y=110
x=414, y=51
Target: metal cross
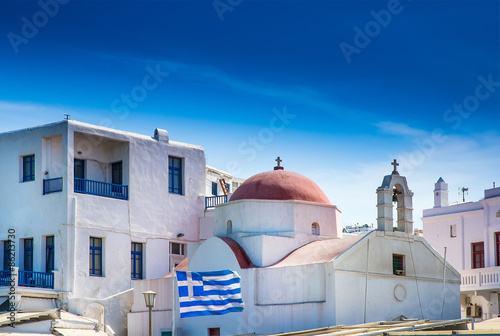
x=395, y=164
x=279, y=161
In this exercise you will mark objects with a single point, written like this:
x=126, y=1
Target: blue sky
x=338, y=89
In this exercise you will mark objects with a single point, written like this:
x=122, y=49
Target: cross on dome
x=278, y=167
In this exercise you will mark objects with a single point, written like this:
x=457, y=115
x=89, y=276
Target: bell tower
x=440, y=193
x=394, y=190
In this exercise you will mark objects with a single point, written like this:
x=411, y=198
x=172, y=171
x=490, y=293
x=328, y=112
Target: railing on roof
x=52, y=185
x=213, y=201
x=5, y=278
x=90, y=187
x=480, y=278
x=36, y=279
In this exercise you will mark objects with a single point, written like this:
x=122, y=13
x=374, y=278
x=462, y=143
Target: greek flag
x=209, y=293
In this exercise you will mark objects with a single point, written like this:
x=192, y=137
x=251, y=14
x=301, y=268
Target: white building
x=470, y=231
x=93, y=209
x=281, y=234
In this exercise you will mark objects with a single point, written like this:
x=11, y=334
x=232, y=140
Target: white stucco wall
x=151, y=215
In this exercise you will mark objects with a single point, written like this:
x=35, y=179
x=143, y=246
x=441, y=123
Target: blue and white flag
x=209, y=293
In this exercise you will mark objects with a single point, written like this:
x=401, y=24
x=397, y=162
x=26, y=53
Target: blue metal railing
x=52, y=185
x=5, y=278
x=90, y=187
x=36, y=279
x=213, y=201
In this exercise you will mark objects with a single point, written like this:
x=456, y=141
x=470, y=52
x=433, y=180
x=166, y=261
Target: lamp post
x=149, y=297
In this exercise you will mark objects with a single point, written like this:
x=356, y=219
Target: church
x=283, y=236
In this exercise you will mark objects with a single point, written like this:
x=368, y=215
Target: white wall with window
x=69, y=182
x=470, y=231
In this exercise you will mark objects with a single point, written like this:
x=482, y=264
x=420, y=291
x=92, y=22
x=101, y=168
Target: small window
x=214, y=188
x=136, y=273
x=235, y=185
x=28, y=254
x=498, y=214
x=478, y=255
x=79, y=169
x=174, y=175
x=398, y=264
x=453, y=230
x=315, y=229
x=177, y=248
x=28, y=168
x=228, y=188
x=213, y=331
x=95, y=261
x=229, y=227
x=49, y=254
x=6, y=255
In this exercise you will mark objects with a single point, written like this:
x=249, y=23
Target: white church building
x=282, y=235
x=470, y=231
x=92, y=209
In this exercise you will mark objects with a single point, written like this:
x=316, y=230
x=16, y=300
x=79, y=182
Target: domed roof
x=280, y=185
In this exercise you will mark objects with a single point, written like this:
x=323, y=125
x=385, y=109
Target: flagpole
x=173, y=301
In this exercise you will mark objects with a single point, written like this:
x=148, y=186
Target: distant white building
x=470, y=231
x=282, y=235
x=94, y=209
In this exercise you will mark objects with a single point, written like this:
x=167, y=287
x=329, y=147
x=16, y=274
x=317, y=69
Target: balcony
x=213, y=201
x=52, y=185
x=480, y=279
x=104, y=189
x=28, y=279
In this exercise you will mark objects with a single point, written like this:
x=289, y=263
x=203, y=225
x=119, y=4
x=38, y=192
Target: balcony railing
x=52, y=185
x=90, y=187
x=213, y=201
x=36, y=279
x=5, y=278
x=480, y=278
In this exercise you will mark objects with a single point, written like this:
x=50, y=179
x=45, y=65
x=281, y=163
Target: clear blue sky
x=338, y=89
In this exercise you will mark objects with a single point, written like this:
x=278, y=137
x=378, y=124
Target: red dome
x=280, y=185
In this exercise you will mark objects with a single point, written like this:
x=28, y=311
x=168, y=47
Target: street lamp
x=149, y=297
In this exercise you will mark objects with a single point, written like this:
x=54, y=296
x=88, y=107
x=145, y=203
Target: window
x=174, y=175
x=213, y=331
x=177, y=253
x=478, y=255
x=235, y=185
x=49, y=254
x=79, y=168
x=229, y=227
x=6, y=255
x=228, y=187
x=498, y=214
x=497, y=244
x=28, y=254
x=214, y=188
x=136, y=261
x=453, y=230
x=177, y=248
x=117, y=173
x=398, y=264
x=28, y=168
x=95, y=261
x=315, y=229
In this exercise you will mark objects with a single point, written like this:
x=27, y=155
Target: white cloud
x=389, y=127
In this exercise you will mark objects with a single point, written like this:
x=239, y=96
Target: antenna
x=464, y=190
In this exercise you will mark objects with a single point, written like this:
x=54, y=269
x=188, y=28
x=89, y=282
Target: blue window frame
x=214, y=188
x=175, y=175
x=28, y=168
x=28, y=254
x=79, y=168
x=95, y=261
x=136, y=261
x=49, y=254
x=6, y=255
x=228, y=187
